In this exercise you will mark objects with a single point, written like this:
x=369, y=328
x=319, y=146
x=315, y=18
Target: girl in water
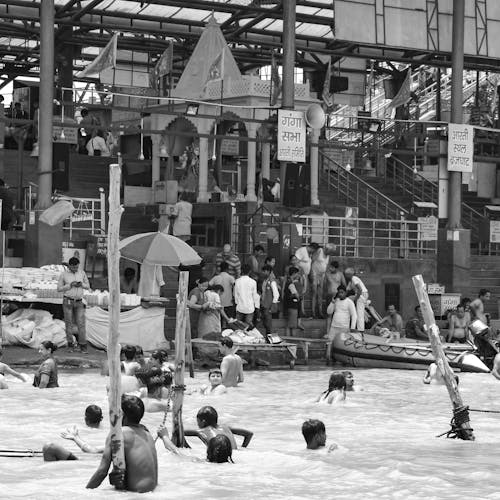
x=336, y=389
x=46, y=374
x=5, y=369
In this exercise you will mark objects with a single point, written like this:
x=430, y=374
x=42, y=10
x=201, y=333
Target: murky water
x=386, y=432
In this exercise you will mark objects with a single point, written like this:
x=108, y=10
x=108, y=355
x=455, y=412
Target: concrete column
x=203, y=172
x=2, y=139
x=314, y=160
x=288, y=95
x=46, y=103
x=155, y=159
x=251, y=162
x=266, y=160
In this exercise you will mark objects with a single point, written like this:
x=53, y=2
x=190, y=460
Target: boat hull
x=370, y=351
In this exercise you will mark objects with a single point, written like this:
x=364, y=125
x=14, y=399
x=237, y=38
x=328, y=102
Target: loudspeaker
x=60, y=165
x=339, y=84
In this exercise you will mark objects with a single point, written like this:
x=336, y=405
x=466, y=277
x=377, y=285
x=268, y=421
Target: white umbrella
x=158, y=249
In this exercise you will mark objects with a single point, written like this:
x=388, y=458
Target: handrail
x=373, y=197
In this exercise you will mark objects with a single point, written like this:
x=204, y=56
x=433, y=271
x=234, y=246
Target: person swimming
x=216, y=387
x=314, y=433
x=208, y=427
x=336, y=389
x=434, y=374
x=156, y=382
x=129, y=363
x=5, y=369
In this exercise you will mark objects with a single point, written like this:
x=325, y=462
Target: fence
x=346, y=237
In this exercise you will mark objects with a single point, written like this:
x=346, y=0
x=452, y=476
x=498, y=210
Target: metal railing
x=357, y=192
x=89, y=215
x=402, y=176
x=485, y=249
x=372, y=238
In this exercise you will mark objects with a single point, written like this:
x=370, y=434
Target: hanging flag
x=105, y=59
x=216, y=70
x=163, y=66
x=404, y=93
x=275, y=82
x=326, y=95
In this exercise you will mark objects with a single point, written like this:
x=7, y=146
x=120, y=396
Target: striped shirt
x=233, y=263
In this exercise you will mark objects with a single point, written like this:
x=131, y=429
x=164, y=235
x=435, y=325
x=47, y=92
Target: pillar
x=2, y=139
x=155, y=159
x=314, y=160
x=266, y=160
x=46, y=103
x=288, y=96
x=203, y=172
x=251, y=162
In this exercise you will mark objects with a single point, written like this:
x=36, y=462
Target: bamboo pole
x=180, y=355
x=189, y=347
x=460, y=420
x=114, y=396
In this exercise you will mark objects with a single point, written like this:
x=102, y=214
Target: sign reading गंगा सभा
x=460, y=147
x=291, y=136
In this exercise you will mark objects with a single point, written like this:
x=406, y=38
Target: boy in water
x=314, y=433
x=207, y=419
x=231, y=366
x=156, y=380
x=141, y=462
x=216, y=386
x=129, y=363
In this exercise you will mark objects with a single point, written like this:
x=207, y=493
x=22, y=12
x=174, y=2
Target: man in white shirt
x=304, y=263
x=151, y=280
x=359, y=296
x=246, y=296
x=72, y=283
x=344, y=316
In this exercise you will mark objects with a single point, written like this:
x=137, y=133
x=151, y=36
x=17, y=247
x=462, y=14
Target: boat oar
x=20, y=453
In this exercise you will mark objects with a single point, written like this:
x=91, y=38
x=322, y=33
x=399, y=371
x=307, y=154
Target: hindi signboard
x=428, y=228
x=460, y=147
x=291, y=136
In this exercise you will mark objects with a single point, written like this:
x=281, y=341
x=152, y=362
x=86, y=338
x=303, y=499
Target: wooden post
x=460, y=413
x=114, y=396
x=180, y=355
x=189, y=346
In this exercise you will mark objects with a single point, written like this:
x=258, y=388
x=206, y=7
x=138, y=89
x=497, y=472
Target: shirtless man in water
x=141, y=462
x=209, y=427
x=232, y=365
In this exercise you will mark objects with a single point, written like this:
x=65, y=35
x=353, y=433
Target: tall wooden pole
x=460, y=411
x=114, y=396
x=180, y=355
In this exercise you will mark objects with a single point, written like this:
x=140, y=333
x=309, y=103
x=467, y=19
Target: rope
x=169, y=400
x=485, y=411
x=460, y=417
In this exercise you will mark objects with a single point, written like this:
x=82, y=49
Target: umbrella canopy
x=158, y=248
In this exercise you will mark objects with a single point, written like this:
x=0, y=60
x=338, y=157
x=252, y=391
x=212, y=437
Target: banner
x=326, y=95
x=275, y=82
x=291, y=136
x=105, y=59
x=460, y=147
x=404, y=94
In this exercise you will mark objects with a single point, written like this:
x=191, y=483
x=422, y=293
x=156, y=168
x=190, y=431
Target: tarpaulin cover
x=139, y=326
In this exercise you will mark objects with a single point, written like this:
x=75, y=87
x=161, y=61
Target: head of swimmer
x=226, y=346
x=215, y=377
x=47, y=348
x=207, y=417
x=132, y=409
x=314, y=433
x=93, y=416
x=349, y=380
x=219, y=449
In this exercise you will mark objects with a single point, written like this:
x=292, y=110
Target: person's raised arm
x=73, y=435
x=102, y=469
x=247, y=435
x=167, y=442
x=12, y=372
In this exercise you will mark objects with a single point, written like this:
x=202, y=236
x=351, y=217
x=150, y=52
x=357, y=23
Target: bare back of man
x=207, y=433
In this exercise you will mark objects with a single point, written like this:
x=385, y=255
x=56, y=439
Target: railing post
x=102, y=198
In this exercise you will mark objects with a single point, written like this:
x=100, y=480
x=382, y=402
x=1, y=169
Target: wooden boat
x=370, y=351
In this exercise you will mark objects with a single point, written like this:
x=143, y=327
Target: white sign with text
x=460, y=147
x=291, y=136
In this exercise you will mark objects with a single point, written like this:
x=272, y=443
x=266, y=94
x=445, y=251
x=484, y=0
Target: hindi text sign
x=291, y=136
x=460, y=147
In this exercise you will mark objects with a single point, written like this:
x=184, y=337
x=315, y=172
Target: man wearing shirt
x=227, y=282
x=231, y=258
x=72, y=283
x=269, y=299
x=359, y=296
x=246, y=296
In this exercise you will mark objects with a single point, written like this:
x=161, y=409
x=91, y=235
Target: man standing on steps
x=357, y=291
x=227, y=255
x=72, y=283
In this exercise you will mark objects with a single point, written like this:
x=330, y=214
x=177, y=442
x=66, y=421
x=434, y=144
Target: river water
x=386, y=433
